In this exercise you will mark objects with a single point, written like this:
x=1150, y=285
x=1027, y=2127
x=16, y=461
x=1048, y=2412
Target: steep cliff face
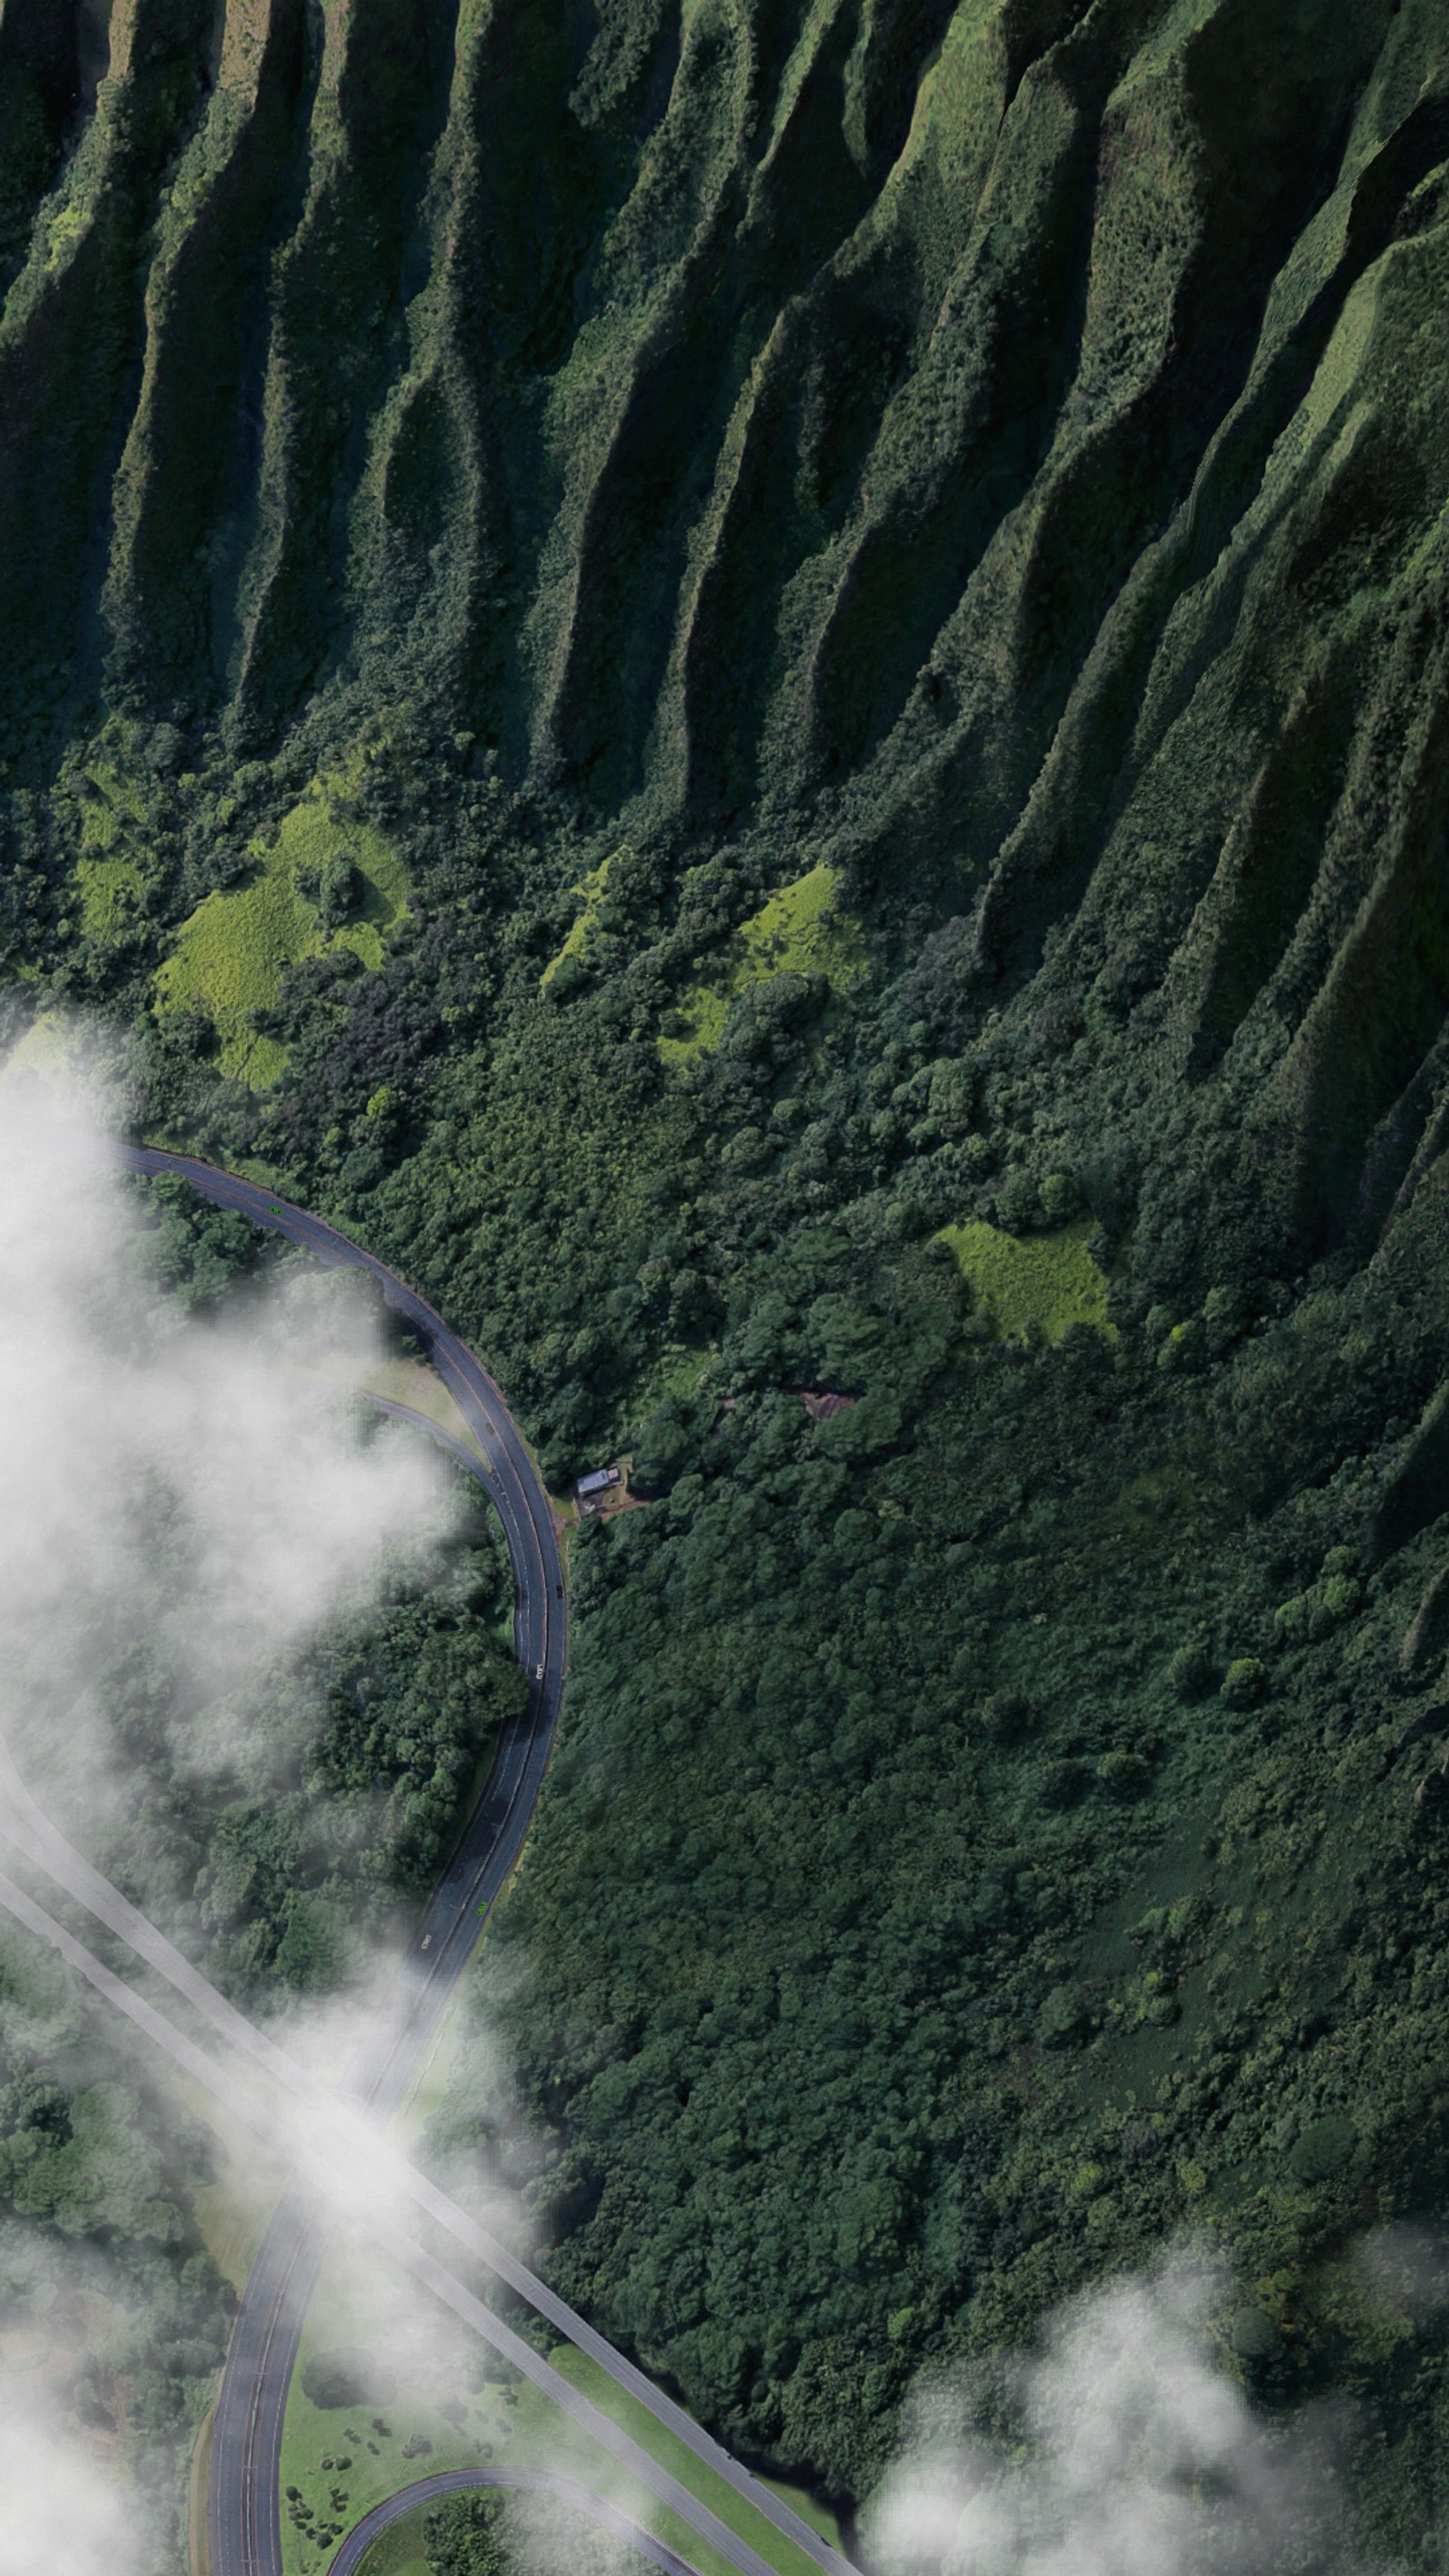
x=1003, y=447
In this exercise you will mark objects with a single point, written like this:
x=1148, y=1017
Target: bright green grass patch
x=799, y=931
x=232, y=953
x=592, y=890
x=400, y=2551
x=413, y=1383
x=377, y=2465
x=49, y=1046
x=1047, y=1282
x=114, y=869
x=809, y=2508
x=229, y=960
x=110, y=893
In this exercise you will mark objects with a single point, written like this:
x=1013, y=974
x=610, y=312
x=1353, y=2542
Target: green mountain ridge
x=981, y=452
x=765, y=686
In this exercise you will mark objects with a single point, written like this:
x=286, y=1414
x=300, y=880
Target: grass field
x=1046, y=1283
x=592, y=890
x=387, y=2443
x=399, y=2552
x=798, y=932
x=232, y=952
x=114, y=871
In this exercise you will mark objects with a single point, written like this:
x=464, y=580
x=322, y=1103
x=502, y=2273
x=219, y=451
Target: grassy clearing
x=197, y=2538
x=412, y=1383
x=388, y=2446
x=400, y=2551
x=799, y=931
x=593, y=890
x=110, y=890
x=229, y=960
x=52, y=1044
x=1046, y=1283
x=232, y=953
x=451, y=2045
x=385, y=2447
x=431, y=2418
x=809, y=2508
x=114, y=872
x=675, y=2456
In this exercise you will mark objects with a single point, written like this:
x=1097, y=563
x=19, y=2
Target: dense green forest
x=765, y=689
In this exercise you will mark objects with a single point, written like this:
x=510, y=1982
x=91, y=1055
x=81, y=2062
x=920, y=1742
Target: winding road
x=244, y=2501
x=447, y=2482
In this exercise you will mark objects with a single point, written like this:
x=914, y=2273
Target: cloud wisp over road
x=363, y=2192
x=361, y=2180
x=167, y=1490
x=194, y=1493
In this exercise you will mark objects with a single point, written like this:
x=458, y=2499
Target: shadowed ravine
x=885, y=417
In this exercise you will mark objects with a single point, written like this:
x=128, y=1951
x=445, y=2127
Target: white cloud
x=60, y=2505
x=198, y=1496
x=198, y=1493
x=1405, y=2272
x=1131, y=2452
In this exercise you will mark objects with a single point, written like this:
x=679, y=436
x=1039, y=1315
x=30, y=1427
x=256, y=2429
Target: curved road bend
x=244, y=2501
x=449, y=2482
x=244, y=2498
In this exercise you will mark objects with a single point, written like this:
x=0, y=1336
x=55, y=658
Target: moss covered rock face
x=768, y=687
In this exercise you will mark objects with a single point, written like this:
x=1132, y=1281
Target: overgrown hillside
x=767, y=687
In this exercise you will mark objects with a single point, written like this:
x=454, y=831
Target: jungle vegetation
x=765, y=688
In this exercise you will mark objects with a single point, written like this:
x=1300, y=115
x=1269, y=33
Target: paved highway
x=244, y=2514
x=382, y=2230
x=331, y=2140
x=447, y=2482
x=243, y=2502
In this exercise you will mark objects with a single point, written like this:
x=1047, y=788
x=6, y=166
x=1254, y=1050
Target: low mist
x=184, y=1505
x=1121, y=2447
x=196, y=1493
x=203, y=1494
x=61, y=2507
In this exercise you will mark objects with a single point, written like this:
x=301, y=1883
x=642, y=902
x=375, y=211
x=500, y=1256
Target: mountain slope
x=767, y=685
